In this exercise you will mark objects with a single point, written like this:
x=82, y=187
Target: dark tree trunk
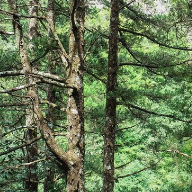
x=109, y=138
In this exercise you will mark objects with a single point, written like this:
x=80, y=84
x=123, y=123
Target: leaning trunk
x=109, y=138
x=75, y=104
x=64, y=158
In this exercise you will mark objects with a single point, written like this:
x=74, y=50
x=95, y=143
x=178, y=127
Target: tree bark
x=72, y=160
x=31, y=184
x=46, y=133
x=49, y=177
x=75, y=103
x=110, y=122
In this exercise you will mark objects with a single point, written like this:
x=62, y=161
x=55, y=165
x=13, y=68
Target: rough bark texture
x=49, y=180
x=72, y=160
x=33, y=25
x=31, y=184
x=75, y=104
x=46, y=133
x=109, y=138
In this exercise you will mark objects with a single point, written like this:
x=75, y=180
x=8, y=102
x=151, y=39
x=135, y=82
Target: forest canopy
x=95, y=95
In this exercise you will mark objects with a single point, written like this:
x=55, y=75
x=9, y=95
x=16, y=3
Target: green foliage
x=156, y=79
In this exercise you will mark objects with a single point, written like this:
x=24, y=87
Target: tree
x=147, y=143
x=109, y=139
x=71, y=161
x=31, y=182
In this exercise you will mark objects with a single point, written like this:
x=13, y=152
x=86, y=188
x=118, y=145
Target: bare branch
x=11, y=73
x=37, y=59
x=24, y=164
x=91, y=45
x=19, y=87
x=126, y=5
x=18, y=15
x=49, y=75
x=48, y=81
x=174, y=151
x=95, y=76
x=6, y=32
x=42, y=74
x=53, y=105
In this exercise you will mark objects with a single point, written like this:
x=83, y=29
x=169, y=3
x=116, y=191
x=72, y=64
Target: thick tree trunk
x=72, y=160
x=109, y=138
x=31, y=183
x=75, y=104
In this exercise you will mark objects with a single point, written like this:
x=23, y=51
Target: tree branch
x=153, y=66
x=6, y=32
x=126, y=128
x=158, y=114
x=37, y=73
x=154, y=40
x=95, y=76
x=136, y=172
x=178, y=152
x=24, y=164
x=20, y=146
x=19, y=87
x=18, y=15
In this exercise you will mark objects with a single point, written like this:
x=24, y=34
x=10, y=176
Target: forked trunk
x=75, y=104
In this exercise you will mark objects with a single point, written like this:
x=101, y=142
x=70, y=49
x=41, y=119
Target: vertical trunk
x=31, y=183
x=49, y=177
x=109, y=138
x=75, y=103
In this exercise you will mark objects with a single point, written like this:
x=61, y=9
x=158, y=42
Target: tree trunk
x=109, y=138
x=49, y=177
x=72, y=160
x=31, y=184
x=75, y=104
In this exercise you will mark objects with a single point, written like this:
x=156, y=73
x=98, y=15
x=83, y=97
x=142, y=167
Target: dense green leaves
x=153, y=132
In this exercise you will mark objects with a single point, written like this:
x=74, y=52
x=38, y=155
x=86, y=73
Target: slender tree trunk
x=75, y=104
x=31, y=184
x=109, y=139
x=49, y=177
x=46, y=133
